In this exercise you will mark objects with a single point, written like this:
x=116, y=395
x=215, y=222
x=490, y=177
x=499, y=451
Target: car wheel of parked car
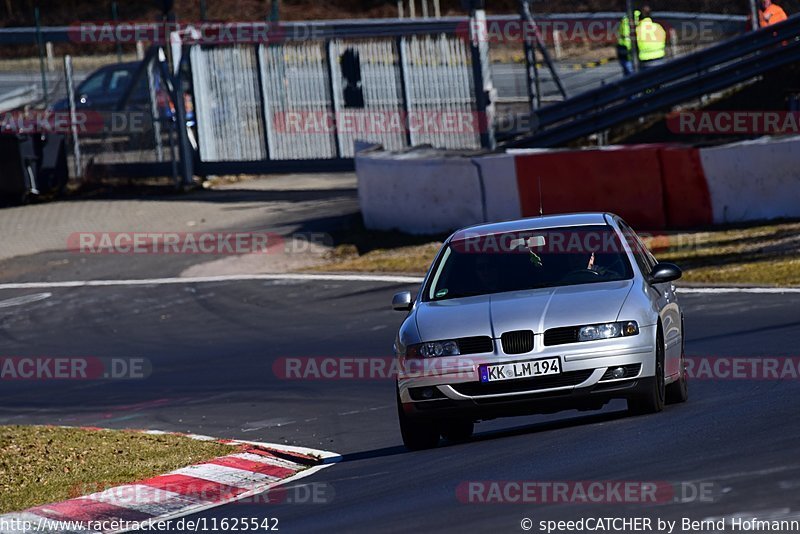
x=418, y=433
x=652, y=399
x=458, y=430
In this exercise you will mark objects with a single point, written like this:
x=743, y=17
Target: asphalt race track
x=212, y=348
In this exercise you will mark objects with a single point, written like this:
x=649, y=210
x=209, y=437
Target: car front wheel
x=678, y=391
x=652, y=398
x=418, y=434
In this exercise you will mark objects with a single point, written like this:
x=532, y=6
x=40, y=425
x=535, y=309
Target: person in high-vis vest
x=624, y=44
x=770, y=14
x=651, y=38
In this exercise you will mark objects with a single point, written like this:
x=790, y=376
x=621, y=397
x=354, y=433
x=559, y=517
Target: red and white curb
x=253, y=469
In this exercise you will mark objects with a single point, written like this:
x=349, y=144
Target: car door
x=91, y=90
x=119, y=82
x=665, y=301
x=671, y=319
x=670, y=314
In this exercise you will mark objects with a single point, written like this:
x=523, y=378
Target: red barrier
x=687, y=200
x=624, y=180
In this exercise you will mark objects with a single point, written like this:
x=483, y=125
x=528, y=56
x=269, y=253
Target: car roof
x=533, y=223
x=130, y=66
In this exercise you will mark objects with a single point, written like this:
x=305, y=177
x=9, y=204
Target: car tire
x=652, y=399
x=418, y=433
x=458, y=431
x=678, y=391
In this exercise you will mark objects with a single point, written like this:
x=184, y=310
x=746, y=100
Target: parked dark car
x=100, y=93
x=103, y=89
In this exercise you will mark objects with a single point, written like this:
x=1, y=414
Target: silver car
x=537, y=316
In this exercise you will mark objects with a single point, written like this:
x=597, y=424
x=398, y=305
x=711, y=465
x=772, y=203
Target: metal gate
x=312, y=100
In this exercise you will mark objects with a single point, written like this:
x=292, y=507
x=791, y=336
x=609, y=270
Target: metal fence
x=289, y=101
x=228, y=104
x=277, y=105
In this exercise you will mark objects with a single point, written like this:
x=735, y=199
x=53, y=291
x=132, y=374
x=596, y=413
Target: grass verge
x=40, y=465
x=766, y=254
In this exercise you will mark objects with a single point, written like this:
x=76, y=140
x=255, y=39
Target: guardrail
x=688, y=77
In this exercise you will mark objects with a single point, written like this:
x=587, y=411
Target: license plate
x=515, y=371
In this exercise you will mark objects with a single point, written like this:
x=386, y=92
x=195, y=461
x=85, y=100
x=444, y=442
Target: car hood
x=537, y=310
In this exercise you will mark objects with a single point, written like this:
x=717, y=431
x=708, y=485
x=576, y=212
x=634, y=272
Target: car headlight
x=433, y=349
x=596, y=332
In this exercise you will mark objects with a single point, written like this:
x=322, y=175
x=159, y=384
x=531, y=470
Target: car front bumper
x=455, y=390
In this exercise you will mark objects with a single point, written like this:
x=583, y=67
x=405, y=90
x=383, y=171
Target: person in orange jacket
x=770, y=14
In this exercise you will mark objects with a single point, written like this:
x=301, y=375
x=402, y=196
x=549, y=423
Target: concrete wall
x=754, y=180
x=652, y=186
x=420, y=192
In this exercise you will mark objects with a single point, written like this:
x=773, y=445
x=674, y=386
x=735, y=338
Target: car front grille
x=630, y=372
x=560, y=336
x=519, y=342
x=477, y=389
x=475, y=345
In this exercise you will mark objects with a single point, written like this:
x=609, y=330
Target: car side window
x=119, y=81
x=639, y=250
x=94, y=84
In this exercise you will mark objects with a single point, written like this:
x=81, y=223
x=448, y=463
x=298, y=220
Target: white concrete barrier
x=754, y=180
x=501, y=192
x=426, y=191
x=419, y=192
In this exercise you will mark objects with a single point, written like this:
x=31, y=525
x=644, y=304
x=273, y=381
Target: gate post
x=481, y=73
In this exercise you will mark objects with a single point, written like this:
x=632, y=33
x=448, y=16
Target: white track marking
x=737, y=290
x=25, y=299
x=212, y=279
x=389, y=279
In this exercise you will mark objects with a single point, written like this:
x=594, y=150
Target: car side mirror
x=665, y=272
x=402, y=301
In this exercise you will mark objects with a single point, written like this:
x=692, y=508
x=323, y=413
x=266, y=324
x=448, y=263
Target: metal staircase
x=657, y=89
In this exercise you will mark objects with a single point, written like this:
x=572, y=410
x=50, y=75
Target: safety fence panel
x=382, y=118
x=228, y=104
x=440, y=92
x=297, y=99
x=312, y=100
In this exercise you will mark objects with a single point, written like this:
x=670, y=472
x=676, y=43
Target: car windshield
x=535, y=259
